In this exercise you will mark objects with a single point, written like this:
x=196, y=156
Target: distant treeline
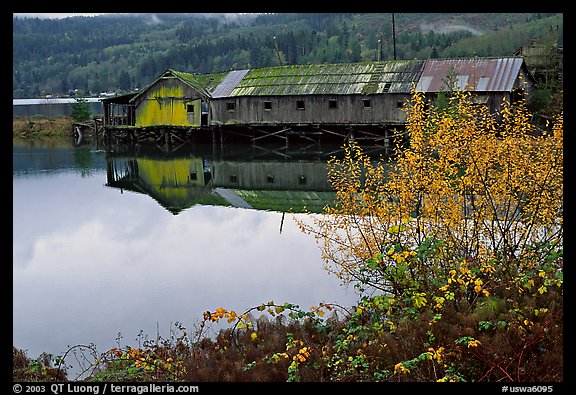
x=120, y=53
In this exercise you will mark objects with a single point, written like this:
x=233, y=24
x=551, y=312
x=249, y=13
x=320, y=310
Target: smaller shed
x=491, y=80
x=175, y=99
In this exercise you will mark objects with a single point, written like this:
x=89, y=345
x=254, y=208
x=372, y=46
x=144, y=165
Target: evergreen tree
x=80, y=110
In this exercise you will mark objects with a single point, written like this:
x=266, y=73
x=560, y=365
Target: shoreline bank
x=32, y=127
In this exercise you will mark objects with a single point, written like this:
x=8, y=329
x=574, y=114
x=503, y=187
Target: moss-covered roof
x=287, y=201
x=201, y=82
x=396, y=76
x=338, y=79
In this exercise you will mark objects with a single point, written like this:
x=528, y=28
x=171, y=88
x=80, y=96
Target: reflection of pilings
x=78, y=135
x=82, y=129
x=117, y=169
x=110, y=173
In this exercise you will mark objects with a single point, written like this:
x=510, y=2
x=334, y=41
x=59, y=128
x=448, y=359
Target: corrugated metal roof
x=229, y=82
x=336, y=79
x=476, y=74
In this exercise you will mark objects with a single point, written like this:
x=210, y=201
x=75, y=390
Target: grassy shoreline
x=41, y=127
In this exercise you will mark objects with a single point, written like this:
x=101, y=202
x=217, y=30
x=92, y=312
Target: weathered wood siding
x=294, y=176
x=169, y=103
x=312, y=109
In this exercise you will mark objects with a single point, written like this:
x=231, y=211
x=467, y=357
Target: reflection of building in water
x=279, y=186
x=297, y=176
x=178, y=183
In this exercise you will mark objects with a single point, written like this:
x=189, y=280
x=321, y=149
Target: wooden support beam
x=332, y=132
x=272, y=151
x=270, y=134
x=175, y=136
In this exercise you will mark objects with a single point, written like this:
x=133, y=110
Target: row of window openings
x=234, y=178
x=332, y=104
x=269, y=179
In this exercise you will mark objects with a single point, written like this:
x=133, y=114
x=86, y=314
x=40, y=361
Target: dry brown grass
x=38, y=127
x=40, y=369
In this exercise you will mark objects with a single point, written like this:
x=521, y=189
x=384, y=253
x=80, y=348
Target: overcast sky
x=66, y=15
x=51, y=15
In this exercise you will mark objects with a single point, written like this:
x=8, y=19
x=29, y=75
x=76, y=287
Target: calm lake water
x=108, y=243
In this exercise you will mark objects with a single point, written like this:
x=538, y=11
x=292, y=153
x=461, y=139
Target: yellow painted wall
x=196, y=118
x=173, y=172
x=171, y=178
x=164, y=105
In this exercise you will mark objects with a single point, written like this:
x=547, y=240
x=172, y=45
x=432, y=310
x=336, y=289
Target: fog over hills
x=59, y=54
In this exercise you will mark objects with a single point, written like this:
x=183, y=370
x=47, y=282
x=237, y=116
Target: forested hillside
x=119, y=53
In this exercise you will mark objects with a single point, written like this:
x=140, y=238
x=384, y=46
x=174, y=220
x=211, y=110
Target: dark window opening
x=193, y=176
x=300, y=104
x=301, y=180
x=399, y=104
x=190, y=108
x=366, y=103
x=267, y=105
x=230, y=106
x=234, y=178
x=332, y=104
x=270, y=179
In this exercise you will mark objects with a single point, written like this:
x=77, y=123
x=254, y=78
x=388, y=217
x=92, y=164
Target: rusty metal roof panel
x=476, y=74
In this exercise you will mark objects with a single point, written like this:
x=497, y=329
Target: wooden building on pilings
x=313, y=102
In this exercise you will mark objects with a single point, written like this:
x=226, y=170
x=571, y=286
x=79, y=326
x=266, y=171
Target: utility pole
x=277, y=51
x=394, y=35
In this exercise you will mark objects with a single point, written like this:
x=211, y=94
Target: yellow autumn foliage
x=472, y=187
